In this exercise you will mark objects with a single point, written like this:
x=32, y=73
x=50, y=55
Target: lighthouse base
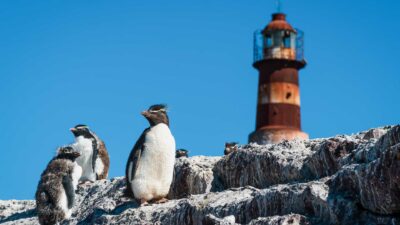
x=274, y=136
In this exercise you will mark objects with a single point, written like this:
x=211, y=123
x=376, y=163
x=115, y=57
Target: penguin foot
x=143, y=202
x=86, y=183
x=163, y=200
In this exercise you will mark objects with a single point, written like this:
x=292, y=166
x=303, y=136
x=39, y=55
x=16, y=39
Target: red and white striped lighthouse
x=278, y=56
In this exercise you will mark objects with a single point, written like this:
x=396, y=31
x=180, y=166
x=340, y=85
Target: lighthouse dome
x=278, y=23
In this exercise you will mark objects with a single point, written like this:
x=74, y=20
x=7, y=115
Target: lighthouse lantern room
x=278, y=56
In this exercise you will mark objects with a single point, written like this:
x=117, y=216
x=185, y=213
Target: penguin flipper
x=95, y=153
x=133, y=161
x=69, y=190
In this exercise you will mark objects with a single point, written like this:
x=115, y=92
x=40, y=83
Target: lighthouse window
x=286, y=41
x=268, y=41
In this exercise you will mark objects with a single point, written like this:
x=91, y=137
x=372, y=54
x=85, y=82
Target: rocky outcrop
x=291, y=219
x=341, y=180
x=13, y=211
x=376, y=185
x=192, y=176
x=103, y=203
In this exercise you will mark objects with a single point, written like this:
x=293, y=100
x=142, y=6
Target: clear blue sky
x=102, y=62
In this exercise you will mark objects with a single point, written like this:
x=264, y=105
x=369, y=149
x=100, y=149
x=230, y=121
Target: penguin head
x=230, y=147
x=156, y=114
x=181, y=153
x=81, y=130
x=230, y=144
x=67, y=152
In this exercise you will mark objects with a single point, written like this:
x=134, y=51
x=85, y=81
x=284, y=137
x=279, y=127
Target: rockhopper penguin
x=55, y=193
x=230, y=147
x=181, y=153
x=150, y=167
x=94, y=158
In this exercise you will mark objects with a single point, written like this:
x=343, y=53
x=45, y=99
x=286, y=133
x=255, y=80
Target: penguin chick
x=181, y=153
x=94, y=158
x=150, y=166
x=230, y=147
x=55, y=195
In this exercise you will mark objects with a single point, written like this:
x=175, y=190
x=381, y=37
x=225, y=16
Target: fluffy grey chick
x=55, y=195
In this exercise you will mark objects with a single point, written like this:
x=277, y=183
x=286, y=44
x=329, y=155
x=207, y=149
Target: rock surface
x=192, y=176
x=347, y=179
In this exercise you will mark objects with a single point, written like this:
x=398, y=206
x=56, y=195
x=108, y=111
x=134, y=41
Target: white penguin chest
x=76, y=174
x=159, y=141
x=85, y=147
x=156, y=165
x=158, y=157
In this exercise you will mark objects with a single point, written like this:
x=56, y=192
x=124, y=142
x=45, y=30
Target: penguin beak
x=72, y=129
x=76, y=154
x=145, y=114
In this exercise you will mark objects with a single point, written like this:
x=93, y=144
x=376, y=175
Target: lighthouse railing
x=258, y=46
x=299, y=45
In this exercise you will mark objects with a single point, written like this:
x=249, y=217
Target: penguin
x=181, y=153
x=94, y=158
x=230, y=147
x=55, y=195
x=150, y=167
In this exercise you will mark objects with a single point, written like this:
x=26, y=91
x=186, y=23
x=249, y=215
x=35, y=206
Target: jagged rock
x=374, y=148
x=376, y=185
x=267, y=164
x=327, y=156
x=291, y=219
x=13, y=211
x=341, y=180
x=375, y=133
x=213, y=220
x=192, y=175
x=103, y=203
x=295, y=161
x=245, y=204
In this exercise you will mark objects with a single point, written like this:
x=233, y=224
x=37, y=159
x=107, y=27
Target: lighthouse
x=278, y=57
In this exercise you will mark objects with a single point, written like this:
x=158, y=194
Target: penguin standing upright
x=150, y=167
x=55, y=193
x=94, y=158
